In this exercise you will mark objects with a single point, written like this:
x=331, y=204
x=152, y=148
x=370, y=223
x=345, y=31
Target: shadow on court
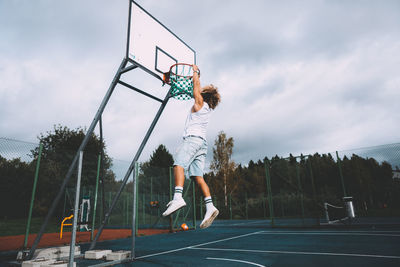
x=251, y=243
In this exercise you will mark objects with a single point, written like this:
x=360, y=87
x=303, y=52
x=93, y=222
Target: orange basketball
x=184, y=227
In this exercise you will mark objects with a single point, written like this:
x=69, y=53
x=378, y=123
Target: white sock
x=178, y=192
x=208, y=202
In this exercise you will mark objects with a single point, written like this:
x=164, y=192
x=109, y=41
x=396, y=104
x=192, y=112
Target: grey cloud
x=346, y=53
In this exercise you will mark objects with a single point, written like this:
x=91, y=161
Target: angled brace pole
x=74, y=161
x=130, y=169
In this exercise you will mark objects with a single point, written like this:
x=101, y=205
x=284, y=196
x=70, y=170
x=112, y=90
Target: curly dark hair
x=211, y=96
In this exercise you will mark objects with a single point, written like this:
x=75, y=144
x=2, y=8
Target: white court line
x=300, y=252
x=248, y=262
x=225, y=239
x=179, y=249
x=260, y=222
x=207, y=243
x=161, y=253
x=322, y=233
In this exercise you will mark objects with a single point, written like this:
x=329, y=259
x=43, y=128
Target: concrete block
x=118, y=255
x=58, y=264
x=96, y=254
x=36, y=262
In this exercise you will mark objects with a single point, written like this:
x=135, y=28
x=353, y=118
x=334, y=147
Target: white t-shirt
x=197, y=122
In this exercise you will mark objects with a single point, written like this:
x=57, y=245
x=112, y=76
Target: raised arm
x=198, y=98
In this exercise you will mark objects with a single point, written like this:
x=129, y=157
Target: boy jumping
x=191, y=154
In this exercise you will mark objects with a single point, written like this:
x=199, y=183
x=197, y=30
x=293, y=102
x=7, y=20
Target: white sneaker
x=211, y=214
x=174, y=205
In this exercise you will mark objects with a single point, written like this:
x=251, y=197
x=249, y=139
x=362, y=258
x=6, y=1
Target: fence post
x=109, y=204
x=301, y=192
x=246, y=201
x=312, y=179
x=201, y=208
x=144, y=208
x=134, y=209
x=171, y=227
x=181, y=211
x=269, y=190
x=341, y=174
x=194, y=205
x=151, y=199
x=76, y=208
x=230, y=206
x=264, y=206
x=127, y=209
x=28, y=225
x=136, y=198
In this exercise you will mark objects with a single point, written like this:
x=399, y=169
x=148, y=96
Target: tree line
x=313, y=179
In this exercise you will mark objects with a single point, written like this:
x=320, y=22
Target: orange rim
x=186, y=76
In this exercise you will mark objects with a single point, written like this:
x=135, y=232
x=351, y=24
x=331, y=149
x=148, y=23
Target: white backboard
x=152, y=46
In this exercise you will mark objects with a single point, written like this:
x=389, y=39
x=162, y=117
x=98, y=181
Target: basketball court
x=154, y=48
x=250, y=243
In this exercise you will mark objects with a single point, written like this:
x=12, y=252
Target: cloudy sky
x=295, y=76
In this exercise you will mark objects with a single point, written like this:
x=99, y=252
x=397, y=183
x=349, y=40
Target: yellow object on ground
x=65, y=224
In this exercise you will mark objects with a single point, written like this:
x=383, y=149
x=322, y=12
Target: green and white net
x=181, y=78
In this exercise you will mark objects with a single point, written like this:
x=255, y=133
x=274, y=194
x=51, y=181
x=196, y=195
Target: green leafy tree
x=15, y=187
x=59, y=149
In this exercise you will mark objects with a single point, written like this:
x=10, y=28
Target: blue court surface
x=252, y=243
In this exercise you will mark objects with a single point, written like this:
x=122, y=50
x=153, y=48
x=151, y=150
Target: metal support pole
x=134, y=204
x=103, y=194
x=76, y=209
x=131, y=167
x=74, y=161
x=95, y=198
x=28, y=225
x=341, y=174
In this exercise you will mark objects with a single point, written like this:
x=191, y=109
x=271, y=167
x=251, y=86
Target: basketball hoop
x=180, y=77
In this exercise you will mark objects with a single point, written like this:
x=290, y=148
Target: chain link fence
x=21, y=168
x=296, y=191
x=288, y=191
